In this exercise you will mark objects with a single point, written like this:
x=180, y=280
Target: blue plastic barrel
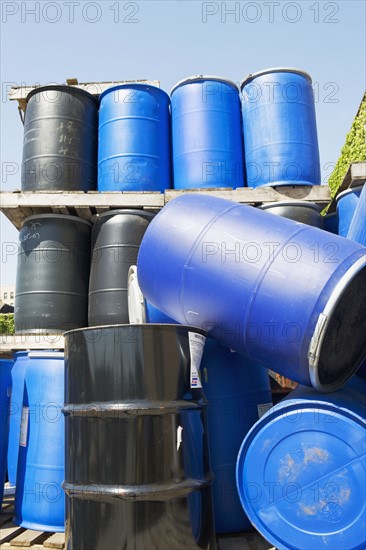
x=16, y=405
x=279, y=126
x=331, y=223
x=39, y=497
x=206, y=133
x=357, y=228
x=301, y=470
x=276, y=290
x=5, y=391
x=346, y=205
x=238, y=393
x=134, y=139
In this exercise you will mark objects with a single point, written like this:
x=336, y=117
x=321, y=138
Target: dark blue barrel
x=279, y=125
x=357, y=229
x=5, y=391
x=273, y=289
x=207, y=135
x=60, y=140
x=139, y=310
x=331, y=223
x=299, y=211
x=346, y=205
x=134, y=139
x=16, y=405
x=51, y=291
x=301, y=470
x=238, y=393
x=39, y=497
x=137, y=462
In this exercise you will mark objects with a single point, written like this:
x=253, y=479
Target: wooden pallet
x=355, y=176
x=12, y=536
x=19, y=342
x=18, y=205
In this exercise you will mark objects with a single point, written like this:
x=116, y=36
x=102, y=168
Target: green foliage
x=6, y=323
x=354, y=149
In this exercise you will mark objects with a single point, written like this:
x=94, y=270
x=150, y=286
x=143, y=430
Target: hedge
x=6, y=323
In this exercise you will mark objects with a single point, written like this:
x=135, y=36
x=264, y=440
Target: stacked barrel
x=150, y=408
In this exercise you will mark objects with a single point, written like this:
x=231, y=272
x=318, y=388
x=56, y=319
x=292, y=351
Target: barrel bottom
x=177, y=524
x=284, y=183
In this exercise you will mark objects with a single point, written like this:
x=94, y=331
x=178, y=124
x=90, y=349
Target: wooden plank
x=319, y=194
x=8, y=531
x=84, y=212
x=57, y=540
x=29, y=538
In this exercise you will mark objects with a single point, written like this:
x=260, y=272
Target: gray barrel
x=116, y=238
x=299, y=211
x=51, y=293
x=60, y=140
x=137, y=470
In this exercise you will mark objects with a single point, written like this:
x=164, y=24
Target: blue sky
x=47, y=41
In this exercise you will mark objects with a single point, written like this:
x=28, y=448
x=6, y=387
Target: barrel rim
x=311, y=205
x=252, y=76
x=322, y=325
x=117, y=211
x=202, y=77
x=139, y=85
x=62, y=88
x=51, y=354
x=146, y=326
x=348, y=191
x=63, y=216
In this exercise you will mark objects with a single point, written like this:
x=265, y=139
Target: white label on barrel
x=196, y=345
x=263, y=408
x=24, y=427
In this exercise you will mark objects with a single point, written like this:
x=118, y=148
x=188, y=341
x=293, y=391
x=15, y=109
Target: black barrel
x=137, y=465
x=51, y=293
x=299, y=211
x=116, y=238
x=60, y=140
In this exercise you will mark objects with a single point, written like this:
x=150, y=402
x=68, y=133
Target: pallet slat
x=29, y=538
x=8, y=531
x=57, y=540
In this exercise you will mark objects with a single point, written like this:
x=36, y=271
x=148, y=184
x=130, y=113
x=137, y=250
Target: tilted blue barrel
x=331, y=223
x=357, y=229
x=39, y=497
x=279, y=126
x=134, y=139
x=5, y=391
x=346, y=205
x=206, y=133
x=301, y=470
x=16, y=405
x=237, y=393
x=139, y=310
x=271, y=288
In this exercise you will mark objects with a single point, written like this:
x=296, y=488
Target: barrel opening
x=344, y=343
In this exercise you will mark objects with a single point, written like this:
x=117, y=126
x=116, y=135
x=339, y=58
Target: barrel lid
x=136, y=300
x=62, y=88
x=300, y=476
x=136, y=211
x=140, y=85
x=200, y=78
x=303, y=204
x=252, y=76
x=348, y=191
x=327, y=370
x=63, y=216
